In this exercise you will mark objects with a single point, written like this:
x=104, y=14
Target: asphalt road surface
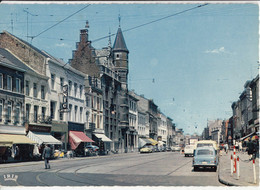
x=132, y=169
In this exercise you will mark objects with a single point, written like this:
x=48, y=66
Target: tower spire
x=119, y=20
x=109, y=39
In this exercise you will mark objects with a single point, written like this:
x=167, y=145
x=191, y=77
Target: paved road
x=155, y=169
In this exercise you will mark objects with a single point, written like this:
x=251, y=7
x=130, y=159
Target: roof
x=119, y=44
x=28, y=44
x=11, y=61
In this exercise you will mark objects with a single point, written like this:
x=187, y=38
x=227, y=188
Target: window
x=42, y=92
x=43, y=113
x=52, y=81
x=9, y=111
x=70, y=85
x=52, y=110
x=80, y=90
x=70, y=111
x=87, y=101
x=35, y=114
x=27, y=89
x=80, y=115
x=1, y=110
x=34, y=90
x=75, y=89
x=1, y=80
x=17, y=116
x=18, y=85
x=9, y=82
x=61, y=83
x=27, y=112
x=76, y=112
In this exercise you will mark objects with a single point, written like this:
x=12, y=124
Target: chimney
x=83, y=35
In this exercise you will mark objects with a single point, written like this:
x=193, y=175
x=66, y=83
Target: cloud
x=219, y=50
x=62, y=45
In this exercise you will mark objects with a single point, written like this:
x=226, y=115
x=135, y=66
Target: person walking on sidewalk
x=47, y=155
x=251, y=149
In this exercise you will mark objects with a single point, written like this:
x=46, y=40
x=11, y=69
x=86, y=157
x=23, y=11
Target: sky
x=192, y=61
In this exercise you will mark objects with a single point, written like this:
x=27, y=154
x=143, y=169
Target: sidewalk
x=246, y=170
x=64, y=159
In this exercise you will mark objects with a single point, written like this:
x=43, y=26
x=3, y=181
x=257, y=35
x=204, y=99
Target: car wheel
x=195, y=168
x=215, y=168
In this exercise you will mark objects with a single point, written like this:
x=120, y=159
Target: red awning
x=76, y=137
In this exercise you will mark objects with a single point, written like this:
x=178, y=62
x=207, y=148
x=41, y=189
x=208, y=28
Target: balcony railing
x=38, y=119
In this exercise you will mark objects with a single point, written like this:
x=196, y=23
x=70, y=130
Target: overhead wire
x=60, y=21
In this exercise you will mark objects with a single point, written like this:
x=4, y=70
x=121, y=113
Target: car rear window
x=205, y=152
x=202, y=145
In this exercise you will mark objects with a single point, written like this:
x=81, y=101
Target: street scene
x=156, y=94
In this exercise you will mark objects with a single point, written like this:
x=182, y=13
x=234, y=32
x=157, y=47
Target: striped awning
x=154, y=142
x=43, y=138
x=76, y=137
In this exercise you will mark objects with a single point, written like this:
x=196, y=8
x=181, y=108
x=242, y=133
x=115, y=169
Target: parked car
x=146, y=149
x=205, y=157
x=91, y=150
x=188, y=150
x=176, y=148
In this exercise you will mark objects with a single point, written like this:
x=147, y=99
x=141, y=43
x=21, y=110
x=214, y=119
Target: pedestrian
x=240, y=146
x=47, y=155
x=251, y=149
x=226, y=148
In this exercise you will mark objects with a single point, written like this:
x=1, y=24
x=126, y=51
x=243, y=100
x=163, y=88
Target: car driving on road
x=205, y=157
x=188, y=150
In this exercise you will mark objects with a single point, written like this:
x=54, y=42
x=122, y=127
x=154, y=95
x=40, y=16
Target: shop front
x=77, y=138
x=14, y=145
x=59, y=130
x=41, y=134
x=103, y=142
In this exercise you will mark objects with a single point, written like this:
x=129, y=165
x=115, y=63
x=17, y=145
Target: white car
x=188, y=150
x=176, y=148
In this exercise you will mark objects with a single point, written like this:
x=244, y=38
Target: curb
x=224, y=181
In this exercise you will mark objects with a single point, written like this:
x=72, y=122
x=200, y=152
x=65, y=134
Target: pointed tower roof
x=119, y=44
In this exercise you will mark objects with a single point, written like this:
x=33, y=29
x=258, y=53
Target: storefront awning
x=103, y=137
x=243, y=138
x=143, y=141
x=43, y=138
x=154, y=142
x=76, y=137
x=18, y=139
x=4, y=142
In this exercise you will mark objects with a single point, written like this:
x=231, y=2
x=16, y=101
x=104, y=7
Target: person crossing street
x=47, y=155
